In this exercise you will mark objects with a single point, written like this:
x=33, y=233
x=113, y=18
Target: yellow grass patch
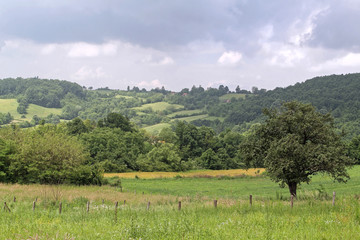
x=200, y=173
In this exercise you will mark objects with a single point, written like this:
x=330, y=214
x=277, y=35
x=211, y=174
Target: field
x=269, y=217
x=10, y=105
x=156, y=129
x=191, y=174
x=185, y=113
x=158, y=106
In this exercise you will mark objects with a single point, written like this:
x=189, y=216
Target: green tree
x=297, y=142
x=6, y=149
x=46, y=155
x=116, y=120
x=164, y=157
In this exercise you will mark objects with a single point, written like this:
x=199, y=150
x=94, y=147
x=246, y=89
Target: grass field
x=155, y=129
x=192, y=118
x=269, y=217
x=10, y=105
x=195, y=173
x=185, y=113
x=159, y=106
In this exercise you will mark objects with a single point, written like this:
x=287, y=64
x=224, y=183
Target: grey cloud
x=339, y=28
x=159, y=23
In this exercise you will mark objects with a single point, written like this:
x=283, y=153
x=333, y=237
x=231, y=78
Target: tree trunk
x=292, y=188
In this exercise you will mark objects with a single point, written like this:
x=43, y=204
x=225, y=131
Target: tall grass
x=264, y=220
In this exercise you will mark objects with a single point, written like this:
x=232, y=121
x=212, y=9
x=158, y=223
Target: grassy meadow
x=269, y=217
x=10, y=105
x=158, y=106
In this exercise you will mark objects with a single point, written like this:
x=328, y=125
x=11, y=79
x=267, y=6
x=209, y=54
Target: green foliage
x=44, y=155
x=116, y=120
x=164, y=157
x=6, y=149
x=5, y=118
x=295, y=143
x=114, y=149
x=354, y=149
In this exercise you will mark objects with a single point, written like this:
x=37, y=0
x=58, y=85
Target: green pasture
x=10, y=105
x=191, y=118
x=159, y=106
x=155, y=129
x=264, y=220
x=235, y=188
x=152, y=210
x=185, y=113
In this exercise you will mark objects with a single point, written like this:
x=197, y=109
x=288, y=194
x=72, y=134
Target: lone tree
x=296, y=142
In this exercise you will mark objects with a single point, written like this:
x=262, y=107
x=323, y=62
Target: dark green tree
x=116, y=120
x=295, y=143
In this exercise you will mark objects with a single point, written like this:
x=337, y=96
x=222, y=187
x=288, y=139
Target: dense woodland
x=102, y=130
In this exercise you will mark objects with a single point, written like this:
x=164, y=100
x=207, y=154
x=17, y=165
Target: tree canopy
x=295, y=143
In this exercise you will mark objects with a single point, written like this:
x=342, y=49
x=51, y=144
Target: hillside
x=338, y=94
x=214, y=107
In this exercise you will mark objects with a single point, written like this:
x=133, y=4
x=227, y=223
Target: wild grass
x=262, y=220
x=195, y=173
x=269, y=217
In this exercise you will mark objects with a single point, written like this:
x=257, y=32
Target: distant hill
x=215, y=107
x=338, y=94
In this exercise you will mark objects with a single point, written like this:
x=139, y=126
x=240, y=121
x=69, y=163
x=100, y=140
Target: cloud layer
x=176, y=44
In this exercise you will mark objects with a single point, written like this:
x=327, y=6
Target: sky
x=179, y=43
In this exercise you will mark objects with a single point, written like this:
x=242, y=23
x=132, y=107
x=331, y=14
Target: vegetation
x=44, y=155
x=270, y=215
x=295, y=143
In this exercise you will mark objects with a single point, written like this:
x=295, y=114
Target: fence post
x=60, y=207
x=333, y=202
x=14, y=199
x=88, y=206
x=250, y=200
x=215, y=203
x=148, y=206
x=179, y=207
x=124, y=202
x=116, y=206
x=6, y=208
x=34, y=205
x=292, y=201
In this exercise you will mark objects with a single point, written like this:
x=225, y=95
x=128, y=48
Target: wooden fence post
x=148, y=206
x=333, y=202
x=124, y=202
x=250, y=200
x=6, y=208
x=88, y=206
x=14, y=199
x=179, y=207
x=292, y=201
x=116, y=206
x=60, y=207
x=34, y=205
x=215, y=203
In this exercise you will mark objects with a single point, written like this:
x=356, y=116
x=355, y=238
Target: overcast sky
x=179, y=43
